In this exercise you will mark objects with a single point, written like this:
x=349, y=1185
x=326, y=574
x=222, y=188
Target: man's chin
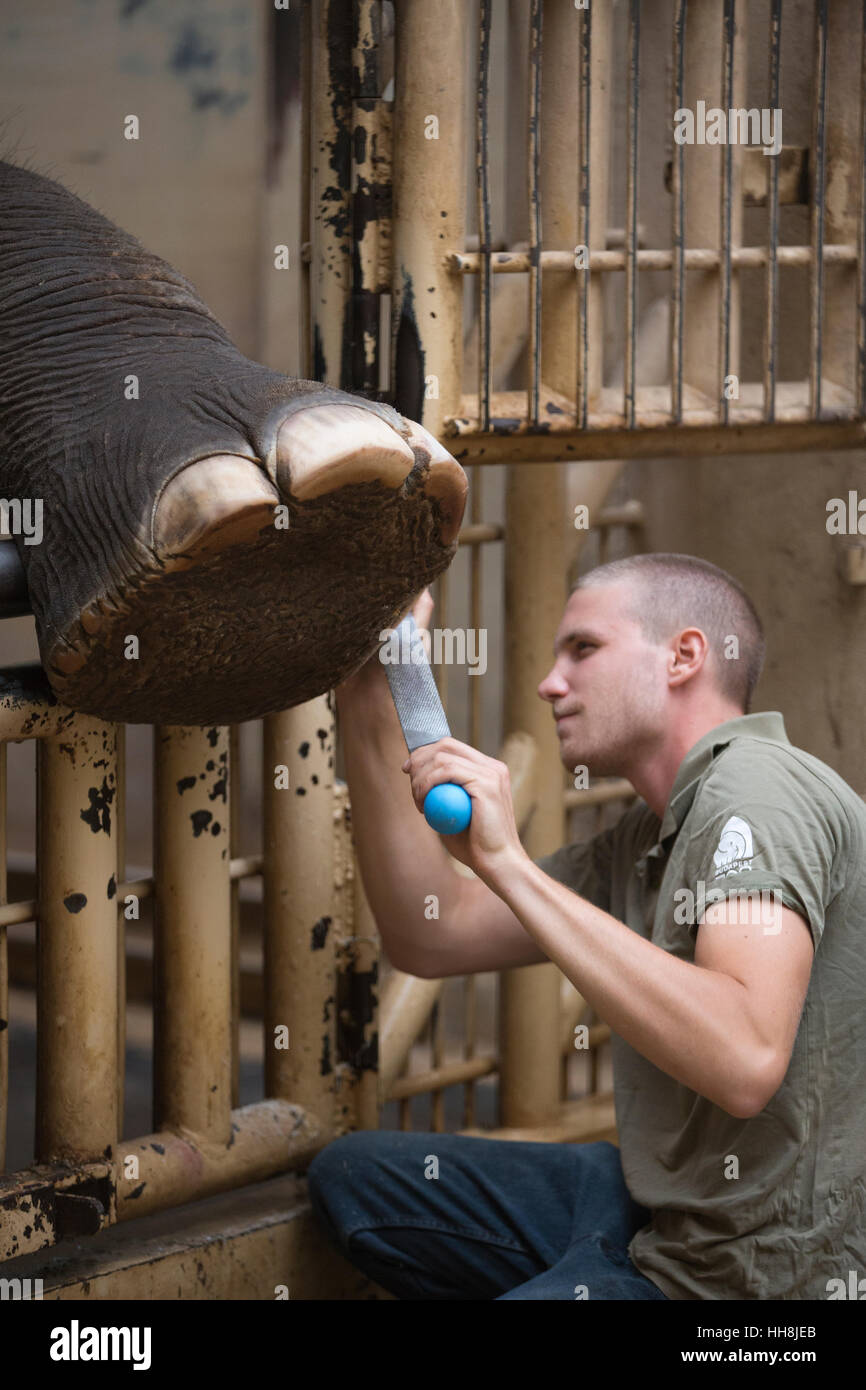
x=595, y=763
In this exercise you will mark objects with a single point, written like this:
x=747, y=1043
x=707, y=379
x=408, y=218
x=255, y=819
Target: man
x=738, y=1022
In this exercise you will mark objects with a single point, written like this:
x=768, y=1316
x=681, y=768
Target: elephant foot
x=262, y=583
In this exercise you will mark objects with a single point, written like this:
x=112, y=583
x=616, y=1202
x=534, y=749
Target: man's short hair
x=672, y=592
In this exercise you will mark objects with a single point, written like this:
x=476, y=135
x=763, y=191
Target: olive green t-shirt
x=773, y=1206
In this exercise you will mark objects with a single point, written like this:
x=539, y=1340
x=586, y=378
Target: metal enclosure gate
x=399, y=297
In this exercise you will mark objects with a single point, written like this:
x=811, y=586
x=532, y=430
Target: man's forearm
x=402, y=859
x=690, y=1022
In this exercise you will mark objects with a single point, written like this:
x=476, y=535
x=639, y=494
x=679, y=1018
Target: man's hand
x=491, y=839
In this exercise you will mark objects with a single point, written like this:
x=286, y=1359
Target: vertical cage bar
x=76, y=1004
x=482, y=174
x=533, y=153
x=120, y=916
x=475, y=504
x=4, y=972
x=771, y=332
x=371, y=198
x=861, y=229
x=307, y=125
x=560, y=190
x=357, y=919
x=584, y=192
x=299, y=955
x=437, y=1057
x=234, y=810
x=470, y=1042
x=429, y=210
x=536, y=564
x=703, y=304
x=192, y=931
x=629, y=374
x=728, y=28
x=819, y=139
x=678, y=270
x=440, y=619
x=331, y=190
x=841, y=291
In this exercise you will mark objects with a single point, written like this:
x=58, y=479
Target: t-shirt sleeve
x=764, y=824
x=584, y=868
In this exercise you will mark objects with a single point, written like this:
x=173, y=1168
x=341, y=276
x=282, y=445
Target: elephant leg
x=219, y=541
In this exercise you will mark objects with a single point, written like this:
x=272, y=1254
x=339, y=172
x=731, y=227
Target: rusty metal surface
x=300, y=1017
x=77, y=1026
x=429, y=209
x=192, y=931
x=258, y=1242
x=4, y=972
x=34, y=1204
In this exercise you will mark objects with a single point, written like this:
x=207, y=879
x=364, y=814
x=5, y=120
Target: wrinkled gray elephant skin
x=219, y=541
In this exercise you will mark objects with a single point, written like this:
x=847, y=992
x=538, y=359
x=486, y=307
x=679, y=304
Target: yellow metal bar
x=4, y=971
x=842, y=253
x=440, y=1075
x=170, y=1169
x=536, y=562
x=299, y=961
x=77, y=1025
x=330, y=275
x=429, y=208
x=120, y=875
x=235, y=909
x=192, y=932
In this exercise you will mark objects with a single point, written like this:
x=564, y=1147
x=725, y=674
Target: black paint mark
x=409, y=373
x=322, y=736
x=320, y=932
x=112, y=887
x=325, y=1067
x=184, y=784
x=218, y=96
x=213, y=737
x=304, y=750
x=137, y=1191
x=300, y=791
x=200, y=821
x=192, y=51
x=158, y=1148
x=356, y=1008
x=215, y=828
x=75, y=902
x=98, y=817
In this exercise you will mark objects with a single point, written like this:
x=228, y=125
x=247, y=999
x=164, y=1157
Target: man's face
x=608, y=684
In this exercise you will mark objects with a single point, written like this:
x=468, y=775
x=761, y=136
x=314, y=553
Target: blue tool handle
x=448, y=808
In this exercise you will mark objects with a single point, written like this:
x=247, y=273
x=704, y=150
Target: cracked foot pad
x=266, y=583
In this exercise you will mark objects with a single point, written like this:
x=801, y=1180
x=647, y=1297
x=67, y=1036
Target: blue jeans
x=499, y=1220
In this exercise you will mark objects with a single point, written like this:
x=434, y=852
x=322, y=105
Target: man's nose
x=553, y=686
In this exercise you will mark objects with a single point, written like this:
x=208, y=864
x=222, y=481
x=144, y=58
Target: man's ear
x=688, y=652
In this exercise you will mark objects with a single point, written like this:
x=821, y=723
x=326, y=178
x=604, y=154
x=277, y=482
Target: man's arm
x=723, y=1026
x=403, y=861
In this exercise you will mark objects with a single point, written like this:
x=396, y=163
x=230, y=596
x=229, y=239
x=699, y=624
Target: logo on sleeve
x=735, y=850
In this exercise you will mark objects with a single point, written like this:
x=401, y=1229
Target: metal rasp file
x=447, y=807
